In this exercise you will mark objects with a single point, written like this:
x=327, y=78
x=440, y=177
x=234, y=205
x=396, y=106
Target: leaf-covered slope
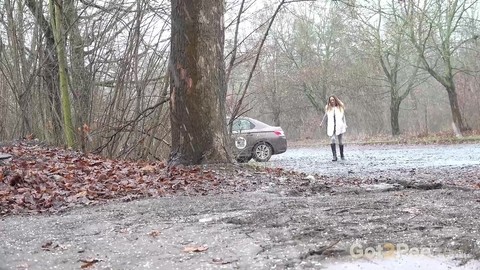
x=40, y=178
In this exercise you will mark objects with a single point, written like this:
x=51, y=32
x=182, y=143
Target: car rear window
x=242, y=124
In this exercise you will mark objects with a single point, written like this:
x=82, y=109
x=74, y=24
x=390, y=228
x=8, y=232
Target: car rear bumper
x=279, y=145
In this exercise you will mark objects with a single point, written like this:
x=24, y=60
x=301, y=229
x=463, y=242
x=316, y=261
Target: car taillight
x=279, y=133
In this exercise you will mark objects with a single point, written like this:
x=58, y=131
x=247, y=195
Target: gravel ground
x=368, y=160
x=380, y=203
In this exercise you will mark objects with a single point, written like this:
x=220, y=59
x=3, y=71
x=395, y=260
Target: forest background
x=401, y=67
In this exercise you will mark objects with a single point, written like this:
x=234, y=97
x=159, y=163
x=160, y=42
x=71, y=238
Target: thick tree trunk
x=197, y=90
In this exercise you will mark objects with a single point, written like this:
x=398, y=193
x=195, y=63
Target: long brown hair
x=338, y=103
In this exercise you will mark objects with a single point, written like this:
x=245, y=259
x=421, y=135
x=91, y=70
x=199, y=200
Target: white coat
x=340, y=121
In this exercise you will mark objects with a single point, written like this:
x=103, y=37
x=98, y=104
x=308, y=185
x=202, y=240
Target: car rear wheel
x=262, y=152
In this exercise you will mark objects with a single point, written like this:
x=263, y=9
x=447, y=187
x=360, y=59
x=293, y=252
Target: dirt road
x=356, y=210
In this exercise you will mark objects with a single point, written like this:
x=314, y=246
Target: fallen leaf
x=191, y=249
x=147, y=169
x=154, y=233
x=16, y=179
x=49, y=246
x=220, y=261
x=88, y=263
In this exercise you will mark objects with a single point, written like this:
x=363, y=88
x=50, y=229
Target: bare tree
x=81, y=80
x=434, y=27
x=16, y=64
x=127, y=58
x=115, y=64
x=56, y=15
x=388, y=36
x=237, y=108
x=46, y=81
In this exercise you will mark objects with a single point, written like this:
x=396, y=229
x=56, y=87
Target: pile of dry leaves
x=44, y=179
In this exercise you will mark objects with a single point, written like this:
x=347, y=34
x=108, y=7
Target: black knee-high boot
x=334, y=152
x=341, y=151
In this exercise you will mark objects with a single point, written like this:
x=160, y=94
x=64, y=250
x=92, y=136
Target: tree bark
x=394, y=113
x=57, y=25
x=81, y=79
x=455, y=109
x=197, y=88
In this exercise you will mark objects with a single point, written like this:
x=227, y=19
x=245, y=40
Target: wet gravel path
x=375, y=160
x=446, y=165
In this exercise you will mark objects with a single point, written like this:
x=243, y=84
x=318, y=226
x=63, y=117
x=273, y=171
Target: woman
x=336, y=124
